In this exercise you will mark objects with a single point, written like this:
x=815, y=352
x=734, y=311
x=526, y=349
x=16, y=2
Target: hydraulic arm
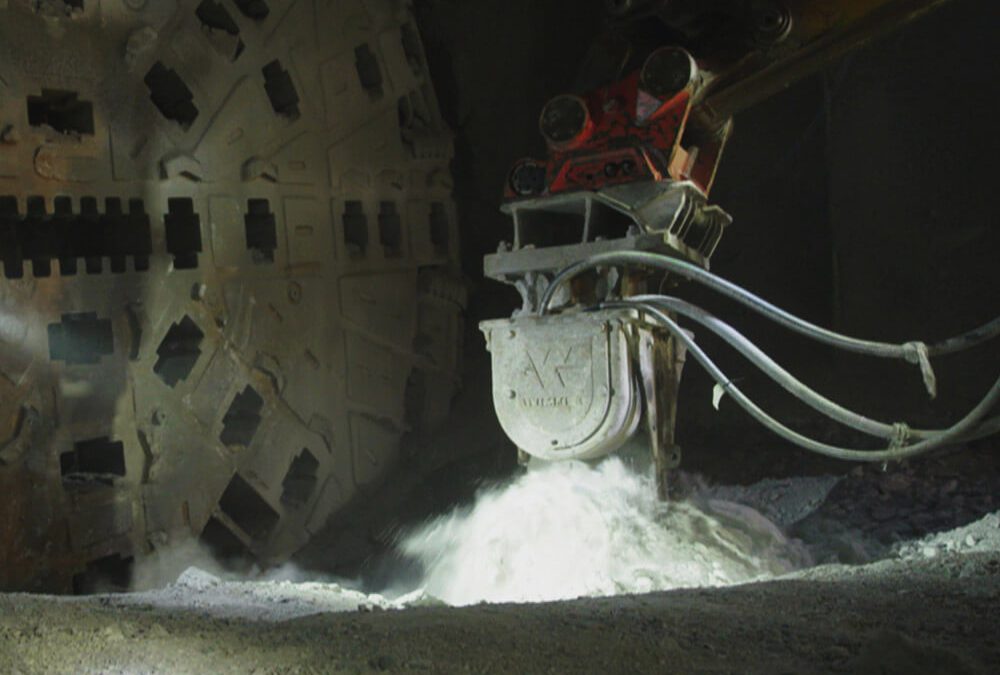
x=592, y=361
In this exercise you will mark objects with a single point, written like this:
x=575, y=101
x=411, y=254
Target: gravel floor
x=903, y=616
x=911, y=583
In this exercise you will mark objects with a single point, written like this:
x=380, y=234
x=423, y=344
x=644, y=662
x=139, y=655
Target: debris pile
x=570, y=530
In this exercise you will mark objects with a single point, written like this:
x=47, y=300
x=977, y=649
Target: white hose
x=914, y=352
x=959, y=431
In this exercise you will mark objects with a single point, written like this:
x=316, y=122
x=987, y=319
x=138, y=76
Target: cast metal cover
x=229, y=259
x=563, y=385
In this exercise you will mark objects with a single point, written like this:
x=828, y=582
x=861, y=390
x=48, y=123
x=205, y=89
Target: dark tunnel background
x=861, y=199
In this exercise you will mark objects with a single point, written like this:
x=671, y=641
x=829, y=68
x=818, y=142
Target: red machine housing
x=635, y=129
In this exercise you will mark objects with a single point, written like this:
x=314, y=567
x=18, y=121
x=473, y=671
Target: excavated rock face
x=229, y=285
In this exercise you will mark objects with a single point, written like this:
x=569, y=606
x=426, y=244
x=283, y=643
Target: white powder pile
x=980, y=536
x=258, y=600
x=559, y=531
x=570, y=530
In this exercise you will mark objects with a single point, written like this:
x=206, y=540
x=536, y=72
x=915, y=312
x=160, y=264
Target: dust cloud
x=569, y=530
x=558, y=531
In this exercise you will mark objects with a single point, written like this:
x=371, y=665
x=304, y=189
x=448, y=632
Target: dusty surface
x=932, y=615
x=924, y=598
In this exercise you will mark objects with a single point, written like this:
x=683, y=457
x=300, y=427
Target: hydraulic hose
x=913, y=352
x=958, y=431
x=792, y=384
x=775, y=371
x=972, y=338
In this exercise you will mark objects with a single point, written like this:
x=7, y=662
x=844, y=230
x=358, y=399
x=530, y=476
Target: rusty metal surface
x=819, y=33
x=229, y=282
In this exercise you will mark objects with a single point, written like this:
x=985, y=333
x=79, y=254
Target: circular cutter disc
x=229, y=263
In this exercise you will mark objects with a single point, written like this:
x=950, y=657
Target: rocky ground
x=929, y=615
x=909, y=581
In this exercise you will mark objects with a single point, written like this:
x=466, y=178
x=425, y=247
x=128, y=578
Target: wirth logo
x=551, y=401
x=557, y=376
